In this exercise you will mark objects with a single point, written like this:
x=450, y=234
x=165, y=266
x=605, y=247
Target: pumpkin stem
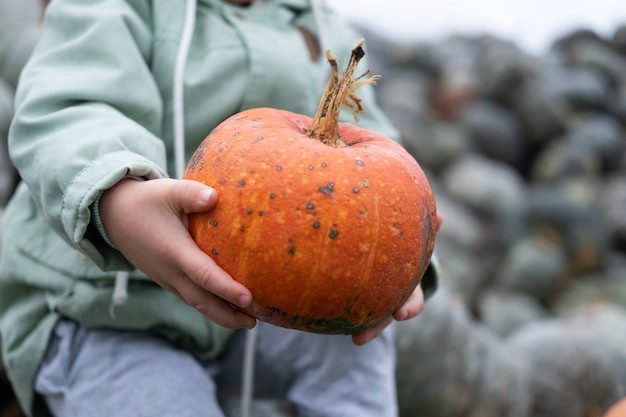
x=340, y=91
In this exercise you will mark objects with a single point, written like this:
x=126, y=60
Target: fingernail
x=206, y=194
x=401, y=315
x=244, y=301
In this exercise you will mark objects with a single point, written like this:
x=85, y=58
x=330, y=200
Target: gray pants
x=97, y=372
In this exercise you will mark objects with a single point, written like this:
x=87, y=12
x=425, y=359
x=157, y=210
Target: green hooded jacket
x=94, y=105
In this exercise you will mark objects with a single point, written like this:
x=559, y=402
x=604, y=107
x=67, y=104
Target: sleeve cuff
x=97, y=219
x=80, y=216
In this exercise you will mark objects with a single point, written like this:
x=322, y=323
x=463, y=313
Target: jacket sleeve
x=88, y=113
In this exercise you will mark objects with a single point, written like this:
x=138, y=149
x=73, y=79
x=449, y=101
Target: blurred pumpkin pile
x=527, y=158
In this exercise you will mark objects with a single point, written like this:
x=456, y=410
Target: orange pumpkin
x=331, y=226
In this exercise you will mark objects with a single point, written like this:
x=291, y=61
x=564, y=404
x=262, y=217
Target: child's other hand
x=411, y=308
x=147, y=221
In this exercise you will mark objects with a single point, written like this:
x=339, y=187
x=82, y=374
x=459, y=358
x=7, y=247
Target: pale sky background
x=531, y=24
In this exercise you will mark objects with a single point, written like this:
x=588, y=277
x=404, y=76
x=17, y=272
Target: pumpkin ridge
x=371, y=255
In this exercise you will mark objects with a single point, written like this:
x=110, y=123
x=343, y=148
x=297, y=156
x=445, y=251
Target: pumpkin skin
x=328, y=240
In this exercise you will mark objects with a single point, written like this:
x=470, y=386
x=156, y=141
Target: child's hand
x=147, y=221
x=411, y=308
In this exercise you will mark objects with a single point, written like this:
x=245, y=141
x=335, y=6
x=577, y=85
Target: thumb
x=193, y=197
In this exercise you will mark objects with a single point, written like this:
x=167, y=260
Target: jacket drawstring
x=247, y=377
x=179, y=85
x=120, y=292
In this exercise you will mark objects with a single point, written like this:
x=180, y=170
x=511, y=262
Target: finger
x=439, y=221
x=368, y=335
x=412, y=306
x=208, y=304
x=192, y=196
x=205, y=273
x=190, y=261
